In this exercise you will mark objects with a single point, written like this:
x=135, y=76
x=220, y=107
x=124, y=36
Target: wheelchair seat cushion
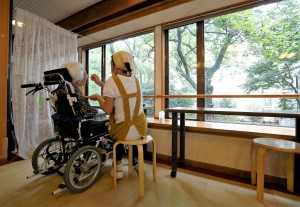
x=60, y=118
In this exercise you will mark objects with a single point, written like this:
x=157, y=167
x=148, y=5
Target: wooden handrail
x=226, y=96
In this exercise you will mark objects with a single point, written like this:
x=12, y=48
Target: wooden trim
x=226, y=96
x=200, y=67
x=221, y=171
x=109, y=13
x=167, y=69
x=100, y=10
x=218, y=12
x=117, y=38
x=159, y=69
x=4, y=65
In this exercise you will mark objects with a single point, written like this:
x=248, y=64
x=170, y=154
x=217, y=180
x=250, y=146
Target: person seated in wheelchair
x=90, y=127
x=79, y=78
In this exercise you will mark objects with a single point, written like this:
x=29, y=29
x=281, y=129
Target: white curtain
x=38, y=46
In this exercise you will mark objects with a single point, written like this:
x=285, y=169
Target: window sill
x=227, y=129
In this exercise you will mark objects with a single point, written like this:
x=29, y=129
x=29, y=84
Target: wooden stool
x=139, y=143
x=281, y=145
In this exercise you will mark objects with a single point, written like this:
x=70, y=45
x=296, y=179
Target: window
x=94, y=66
x=142, y=48
x=182, y=65
x=255, y=51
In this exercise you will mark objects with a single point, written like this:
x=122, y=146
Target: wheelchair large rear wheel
x=46, y=158
x=83, y=168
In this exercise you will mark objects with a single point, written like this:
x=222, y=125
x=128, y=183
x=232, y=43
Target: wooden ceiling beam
x=108, y=13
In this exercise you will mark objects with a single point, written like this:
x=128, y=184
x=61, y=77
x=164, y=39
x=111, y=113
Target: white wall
x=223, y=151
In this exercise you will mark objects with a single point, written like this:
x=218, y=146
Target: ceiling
x=85, y=17
x=53, y=10
x=71, y=14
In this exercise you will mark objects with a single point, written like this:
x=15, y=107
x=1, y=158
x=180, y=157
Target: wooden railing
x=226, y=96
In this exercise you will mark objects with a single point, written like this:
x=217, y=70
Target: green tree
x=142, y=48
x=271, y=37
x=275, y=41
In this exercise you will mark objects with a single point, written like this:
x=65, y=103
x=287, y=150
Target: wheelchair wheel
x=46, y=157
x=83, y=168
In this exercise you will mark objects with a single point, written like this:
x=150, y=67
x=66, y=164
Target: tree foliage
x=271, y=40
x=142, y=48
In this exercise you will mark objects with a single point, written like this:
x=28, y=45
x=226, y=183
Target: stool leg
x=130, y=159
x=290, y=172
x=154, y=159
x=141, y=169
x=260, y=175
x=115, y=164
x=253, y=166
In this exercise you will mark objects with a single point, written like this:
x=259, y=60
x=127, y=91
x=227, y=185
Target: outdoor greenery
x=142, y=48
x=251, y=51
x=259, y=46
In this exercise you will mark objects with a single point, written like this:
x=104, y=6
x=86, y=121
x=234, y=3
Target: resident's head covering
x=124, y=60
x=76, y=70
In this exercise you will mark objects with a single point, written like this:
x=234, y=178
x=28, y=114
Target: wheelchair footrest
x=61, y=187
x=30, y=176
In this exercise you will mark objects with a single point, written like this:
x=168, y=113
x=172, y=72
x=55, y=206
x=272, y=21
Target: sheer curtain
x=38, y=46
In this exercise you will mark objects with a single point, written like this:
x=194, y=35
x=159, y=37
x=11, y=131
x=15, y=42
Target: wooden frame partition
x=4, y=63
x=226, y=96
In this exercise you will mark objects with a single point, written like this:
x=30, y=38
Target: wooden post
x=4, y=54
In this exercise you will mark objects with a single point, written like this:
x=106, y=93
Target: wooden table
x=265, y=144
x=224, y=111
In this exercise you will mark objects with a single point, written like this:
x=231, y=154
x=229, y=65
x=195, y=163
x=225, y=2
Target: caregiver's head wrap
x=124, y=61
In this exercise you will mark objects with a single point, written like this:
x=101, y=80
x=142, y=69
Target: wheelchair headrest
x=51, y=75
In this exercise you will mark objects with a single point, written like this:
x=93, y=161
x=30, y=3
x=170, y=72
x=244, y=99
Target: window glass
x=255, y=51
x=183, y=65
x=94, y=64
x=142, y=48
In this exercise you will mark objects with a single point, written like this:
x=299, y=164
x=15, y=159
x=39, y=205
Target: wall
x=4, y=51
x=230, y=152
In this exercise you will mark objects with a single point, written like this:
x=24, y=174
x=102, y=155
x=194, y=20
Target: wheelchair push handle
x=30, y=85
x=37, y=87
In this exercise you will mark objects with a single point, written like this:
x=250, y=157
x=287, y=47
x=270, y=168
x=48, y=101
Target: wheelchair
x=81, y=145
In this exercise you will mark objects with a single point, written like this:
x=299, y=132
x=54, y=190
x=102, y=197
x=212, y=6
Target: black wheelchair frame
x=81, y=146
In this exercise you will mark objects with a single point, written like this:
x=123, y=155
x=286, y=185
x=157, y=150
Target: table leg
x=182, y=139
x=260, y=174
x=290, y=172
x=253, y=163
x=174, y=144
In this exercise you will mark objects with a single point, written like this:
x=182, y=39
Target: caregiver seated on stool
x=122, y=99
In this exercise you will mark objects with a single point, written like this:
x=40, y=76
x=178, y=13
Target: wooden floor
x=187, y=189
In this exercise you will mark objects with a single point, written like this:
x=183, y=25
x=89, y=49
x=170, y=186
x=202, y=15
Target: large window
x=142, y=48
x=94, y=65
x=182, y=65
x=255, y=51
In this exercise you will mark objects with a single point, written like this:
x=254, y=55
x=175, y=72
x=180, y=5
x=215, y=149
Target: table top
x=278, y=144
x=231, y=111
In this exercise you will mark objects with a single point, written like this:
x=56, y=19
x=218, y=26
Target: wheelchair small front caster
x=173, y=174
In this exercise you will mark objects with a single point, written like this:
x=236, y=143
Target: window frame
x=103, y=44
x=199, y=21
